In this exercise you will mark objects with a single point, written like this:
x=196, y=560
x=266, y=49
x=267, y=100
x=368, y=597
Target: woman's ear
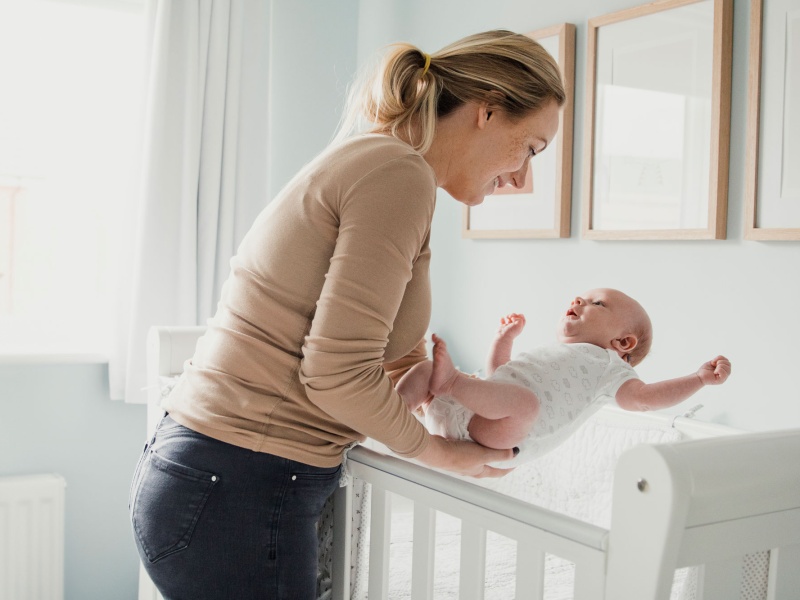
x=484, y=114
x=489, y=107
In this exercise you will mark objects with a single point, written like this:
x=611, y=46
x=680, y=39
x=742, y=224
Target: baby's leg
x=443, y=373
x=413, y=386
x=504, y=433
x=504, y=413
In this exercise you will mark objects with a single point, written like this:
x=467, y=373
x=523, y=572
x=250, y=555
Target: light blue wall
x=312, y=60
x=59, y=419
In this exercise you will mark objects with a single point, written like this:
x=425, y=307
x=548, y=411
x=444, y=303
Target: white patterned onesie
x=571, y=381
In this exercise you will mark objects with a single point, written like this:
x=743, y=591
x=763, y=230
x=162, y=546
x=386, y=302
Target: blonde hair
x=510, y=71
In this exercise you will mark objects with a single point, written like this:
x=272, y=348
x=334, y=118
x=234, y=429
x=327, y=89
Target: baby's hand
x=715, y=371
x=511, y=325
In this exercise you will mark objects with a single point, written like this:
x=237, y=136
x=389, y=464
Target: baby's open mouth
x=571, y=313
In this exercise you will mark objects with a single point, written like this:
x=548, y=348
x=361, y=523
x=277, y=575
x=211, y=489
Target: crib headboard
x=677, y=504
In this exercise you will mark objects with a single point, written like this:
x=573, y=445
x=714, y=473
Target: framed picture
x=658, y=122
x=541, y=209
x=773, y=122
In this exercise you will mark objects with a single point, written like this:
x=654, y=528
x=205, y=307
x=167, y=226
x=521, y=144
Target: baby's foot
x=444, y=373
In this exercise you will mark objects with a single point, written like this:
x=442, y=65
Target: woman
x=326, y=306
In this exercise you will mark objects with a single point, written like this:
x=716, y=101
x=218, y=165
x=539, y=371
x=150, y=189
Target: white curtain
x=204, y=172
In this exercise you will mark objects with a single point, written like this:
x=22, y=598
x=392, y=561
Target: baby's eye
x=599, y=303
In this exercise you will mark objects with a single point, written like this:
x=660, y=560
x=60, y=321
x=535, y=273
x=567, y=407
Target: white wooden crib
x=704, y=502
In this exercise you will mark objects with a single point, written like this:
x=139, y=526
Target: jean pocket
x=167, y=504
x=135, y=480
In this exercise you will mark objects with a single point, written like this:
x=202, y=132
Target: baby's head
x=609, y=319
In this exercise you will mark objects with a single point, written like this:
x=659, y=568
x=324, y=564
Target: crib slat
x=342, y=540
x=380, y=529
x=423, y=552
x=530, y=571
x=722, y=579
x=784, y=576
x=590, y=579
x=473, y=562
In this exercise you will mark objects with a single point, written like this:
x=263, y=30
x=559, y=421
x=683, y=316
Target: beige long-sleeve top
x=328, y=296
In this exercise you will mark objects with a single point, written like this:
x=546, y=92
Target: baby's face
x=598, y=317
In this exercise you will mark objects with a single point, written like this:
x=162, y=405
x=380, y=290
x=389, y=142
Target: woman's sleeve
x=384, y=220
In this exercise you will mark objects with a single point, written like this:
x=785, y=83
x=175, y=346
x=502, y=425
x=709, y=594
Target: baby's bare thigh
x=504, y=433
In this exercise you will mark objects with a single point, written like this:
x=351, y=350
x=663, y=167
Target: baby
x=532, y=403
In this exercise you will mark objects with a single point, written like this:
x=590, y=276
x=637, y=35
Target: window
x=70, y=114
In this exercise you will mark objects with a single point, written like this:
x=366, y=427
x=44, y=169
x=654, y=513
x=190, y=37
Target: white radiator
x=32, y=537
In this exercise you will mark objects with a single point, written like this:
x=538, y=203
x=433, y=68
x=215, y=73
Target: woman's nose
x=519, y=176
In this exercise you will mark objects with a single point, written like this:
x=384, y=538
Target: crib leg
x=342, y=539
x=784, y=573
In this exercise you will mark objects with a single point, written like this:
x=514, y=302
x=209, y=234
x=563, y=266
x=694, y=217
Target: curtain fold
x=203, y=177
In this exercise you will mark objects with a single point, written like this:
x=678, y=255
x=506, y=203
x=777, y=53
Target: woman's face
x=496, y=152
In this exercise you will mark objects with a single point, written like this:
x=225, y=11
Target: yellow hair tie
x=427, y=63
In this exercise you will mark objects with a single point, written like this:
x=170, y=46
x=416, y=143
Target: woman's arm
x=382, y=225
x=464, y=458
x=398, y=368
x=636, y=395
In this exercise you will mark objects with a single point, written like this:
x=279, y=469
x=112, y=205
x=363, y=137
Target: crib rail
x=536, y=530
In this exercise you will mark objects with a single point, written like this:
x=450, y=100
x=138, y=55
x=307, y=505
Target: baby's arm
x=634, y=394
x=500, y=352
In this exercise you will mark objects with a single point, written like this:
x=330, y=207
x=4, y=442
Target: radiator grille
x=32, y=537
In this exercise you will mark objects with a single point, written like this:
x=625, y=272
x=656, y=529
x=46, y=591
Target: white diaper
x=446, y=417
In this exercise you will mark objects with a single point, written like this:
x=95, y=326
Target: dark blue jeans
x=212, y=520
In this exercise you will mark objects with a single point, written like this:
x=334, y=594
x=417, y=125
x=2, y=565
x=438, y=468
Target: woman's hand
x=464, y=457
